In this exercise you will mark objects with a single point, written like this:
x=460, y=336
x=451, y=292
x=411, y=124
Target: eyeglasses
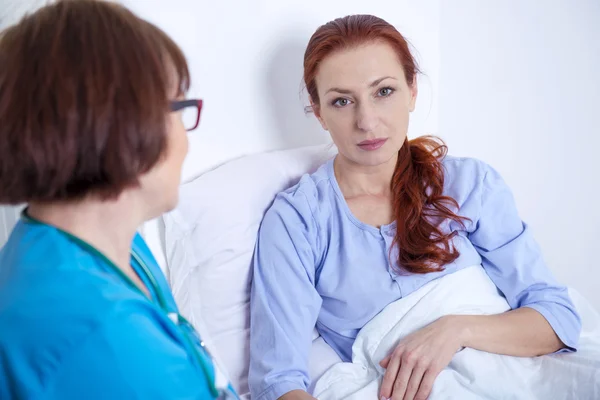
x=190, y=112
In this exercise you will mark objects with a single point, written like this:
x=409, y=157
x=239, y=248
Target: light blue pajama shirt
x=315, y=263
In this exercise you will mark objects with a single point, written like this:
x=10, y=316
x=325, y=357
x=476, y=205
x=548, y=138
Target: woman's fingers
x=390, y=375
x=401, y=382
x=407, y=365
x=426, y=384
x=384, y=363
x=414, y=383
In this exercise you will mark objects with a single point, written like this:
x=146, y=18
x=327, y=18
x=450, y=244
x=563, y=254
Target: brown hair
x=418, y=181
x=84, y=97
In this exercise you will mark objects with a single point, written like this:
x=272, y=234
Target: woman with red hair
x=383, y=218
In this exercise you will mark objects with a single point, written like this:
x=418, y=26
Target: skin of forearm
x=522, y=332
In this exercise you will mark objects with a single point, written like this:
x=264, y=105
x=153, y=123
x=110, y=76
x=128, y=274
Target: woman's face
x=160, y=186
x=365, y=102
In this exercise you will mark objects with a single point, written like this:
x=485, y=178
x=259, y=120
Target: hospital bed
x=205, y=248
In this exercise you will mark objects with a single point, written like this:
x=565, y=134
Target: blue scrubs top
x=72, y=327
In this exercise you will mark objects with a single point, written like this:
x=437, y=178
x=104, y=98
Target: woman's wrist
x=462, y=328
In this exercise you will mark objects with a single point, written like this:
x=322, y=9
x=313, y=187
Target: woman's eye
x=384, y=92
x=341, y=102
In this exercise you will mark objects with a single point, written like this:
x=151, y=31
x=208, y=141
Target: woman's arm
x=514, y=262
x=523, y=332
x=543, y=318
x=284, y=301
x=415, y=363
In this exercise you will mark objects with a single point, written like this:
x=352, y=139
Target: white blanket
x=471, y=374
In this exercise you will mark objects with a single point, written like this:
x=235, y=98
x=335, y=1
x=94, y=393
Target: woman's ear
x=414, y=91
x=317, y=111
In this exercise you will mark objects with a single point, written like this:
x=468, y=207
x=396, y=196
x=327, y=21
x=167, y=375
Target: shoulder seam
x=312, y=214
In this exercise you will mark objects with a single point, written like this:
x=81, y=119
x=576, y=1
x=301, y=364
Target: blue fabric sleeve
x=284, y=301
x=513, y=260
x=129, y=357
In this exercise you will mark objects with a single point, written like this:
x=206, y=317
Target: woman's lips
x=373, y=144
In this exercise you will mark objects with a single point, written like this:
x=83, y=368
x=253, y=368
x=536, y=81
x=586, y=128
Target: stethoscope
x=176, y=318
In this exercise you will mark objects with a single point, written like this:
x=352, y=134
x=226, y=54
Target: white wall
x=246, y=62
x=520, y=89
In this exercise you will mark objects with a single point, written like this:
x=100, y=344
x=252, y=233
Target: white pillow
x=210, y=240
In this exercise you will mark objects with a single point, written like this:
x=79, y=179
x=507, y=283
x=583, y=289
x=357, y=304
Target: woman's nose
x=367, y=119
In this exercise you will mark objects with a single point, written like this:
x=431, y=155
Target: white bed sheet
x=472, y=374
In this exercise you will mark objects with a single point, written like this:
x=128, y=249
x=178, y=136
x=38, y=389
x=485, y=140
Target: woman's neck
x=357, y=180
x=109, y=226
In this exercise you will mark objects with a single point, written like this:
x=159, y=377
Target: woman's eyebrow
x=373, y=84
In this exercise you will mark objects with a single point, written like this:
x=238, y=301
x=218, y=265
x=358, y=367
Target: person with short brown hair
x=93, y=121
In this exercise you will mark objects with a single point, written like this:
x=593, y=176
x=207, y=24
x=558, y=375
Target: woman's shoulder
x=464, y=167
x=308, y=195
x=465, y=177
x=465, y=171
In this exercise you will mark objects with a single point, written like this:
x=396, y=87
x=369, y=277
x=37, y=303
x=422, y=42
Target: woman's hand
x=419, y=358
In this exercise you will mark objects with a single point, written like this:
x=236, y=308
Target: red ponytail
x=420, y=207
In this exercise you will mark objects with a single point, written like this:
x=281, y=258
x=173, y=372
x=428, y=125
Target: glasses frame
x=178, y=105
